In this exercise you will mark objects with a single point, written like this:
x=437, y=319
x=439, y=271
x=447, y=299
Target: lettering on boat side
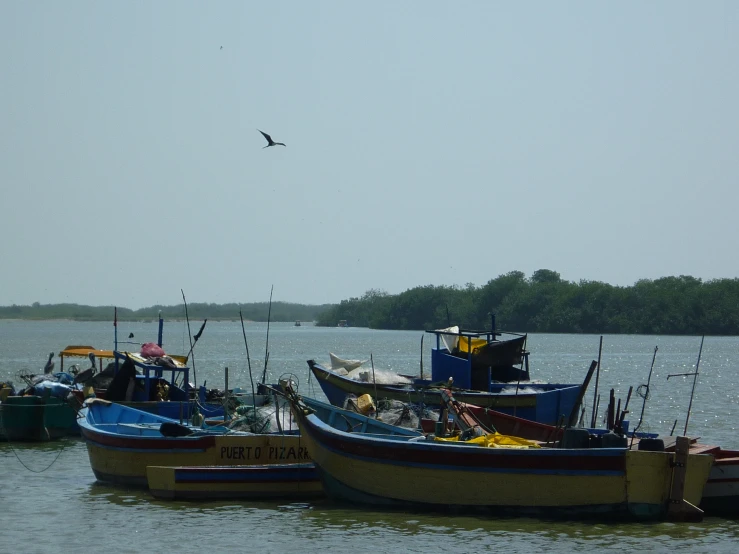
x=273, y=453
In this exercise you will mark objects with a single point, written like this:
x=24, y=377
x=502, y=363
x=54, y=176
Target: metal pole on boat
x=248, y=362
x=266, y=345
x=492, y=325
x=374, y=379
x=161, y=330
x=692, y=392
x=189, y=336
x=421, y=356
x=597, y=378
x=225, y=400
x=644, y=395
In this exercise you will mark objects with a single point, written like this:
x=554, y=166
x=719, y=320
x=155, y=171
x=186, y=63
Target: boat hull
x=721, y=494
x=542, y=403
x=295, y=481
x=122, y=442
x=35, y=418
x=608, y=482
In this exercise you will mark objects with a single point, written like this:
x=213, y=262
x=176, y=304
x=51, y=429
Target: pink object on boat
x=151, y=350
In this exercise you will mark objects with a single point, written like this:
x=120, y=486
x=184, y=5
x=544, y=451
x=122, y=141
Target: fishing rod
x=189, y=336
x=266, y=345
x=643, y=391
x=248, y=361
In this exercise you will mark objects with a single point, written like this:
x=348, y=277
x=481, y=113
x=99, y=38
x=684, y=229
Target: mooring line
x=12, y=448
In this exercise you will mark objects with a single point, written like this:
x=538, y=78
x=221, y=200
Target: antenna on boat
x=266, y=345
x=692, y=392
x=189, y=336
x=248, y=362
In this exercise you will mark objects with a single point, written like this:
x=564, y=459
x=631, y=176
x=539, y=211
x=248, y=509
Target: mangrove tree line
x=545, y=303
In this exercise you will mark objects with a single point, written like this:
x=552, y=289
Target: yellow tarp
x=476, y=343
x=494, y=440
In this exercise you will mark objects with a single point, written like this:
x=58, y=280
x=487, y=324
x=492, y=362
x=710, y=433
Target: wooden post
x=611, y=410
x=572, y=420
x=679, y=509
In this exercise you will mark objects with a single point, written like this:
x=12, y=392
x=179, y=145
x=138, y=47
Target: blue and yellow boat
x=509, y=477
x=541, y=402
x=123, y=441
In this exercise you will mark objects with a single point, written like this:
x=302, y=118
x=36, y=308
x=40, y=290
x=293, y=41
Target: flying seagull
x=221, y=47
x=270, y=141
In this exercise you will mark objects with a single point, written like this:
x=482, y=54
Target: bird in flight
x=221, y=47
x=270, y=141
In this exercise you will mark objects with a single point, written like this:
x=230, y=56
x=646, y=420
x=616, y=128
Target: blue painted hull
x=548, y=404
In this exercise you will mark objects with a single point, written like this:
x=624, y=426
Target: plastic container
x=365, y=404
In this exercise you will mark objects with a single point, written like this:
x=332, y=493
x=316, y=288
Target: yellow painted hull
x=613, y=482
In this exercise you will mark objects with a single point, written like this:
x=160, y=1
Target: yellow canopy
x=75, y=351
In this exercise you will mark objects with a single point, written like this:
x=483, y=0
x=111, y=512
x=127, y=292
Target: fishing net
x=249, y=419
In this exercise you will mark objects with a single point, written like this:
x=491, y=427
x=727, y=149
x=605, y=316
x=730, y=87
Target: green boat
x=36, y=418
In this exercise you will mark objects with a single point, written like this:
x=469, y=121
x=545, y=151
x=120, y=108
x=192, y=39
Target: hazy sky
x=428, y=142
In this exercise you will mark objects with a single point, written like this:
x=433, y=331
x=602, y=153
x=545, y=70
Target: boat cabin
x=477, y=359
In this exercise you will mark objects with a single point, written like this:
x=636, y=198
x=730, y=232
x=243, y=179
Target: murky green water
x=62, y=508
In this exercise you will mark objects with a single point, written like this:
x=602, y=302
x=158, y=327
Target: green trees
x=281, y=311
x=547, y=304
x=543, y=303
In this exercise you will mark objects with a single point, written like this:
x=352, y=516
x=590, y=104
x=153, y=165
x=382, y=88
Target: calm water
x=63, y=508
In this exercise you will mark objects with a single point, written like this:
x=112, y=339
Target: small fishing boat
x=37, y=418
x=540, y=402
x=123, y=441
x=294, y=480
x=45, y=409
x=524, y=479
